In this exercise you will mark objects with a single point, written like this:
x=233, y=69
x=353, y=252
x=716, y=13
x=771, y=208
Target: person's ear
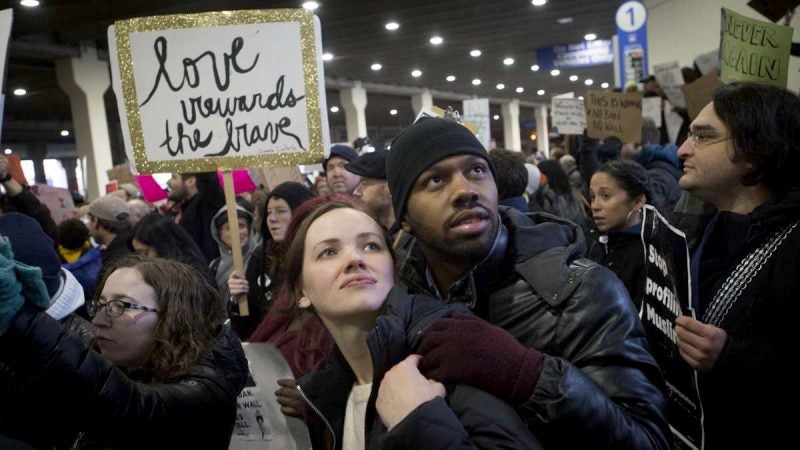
x=405, y=225
x=639, y=201
x=303, y=302
x=190, y=181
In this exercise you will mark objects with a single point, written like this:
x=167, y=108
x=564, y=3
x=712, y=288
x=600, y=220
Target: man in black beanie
x=339, y=179
x=561, y=342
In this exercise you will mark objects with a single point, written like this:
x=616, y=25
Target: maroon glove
x=468, y=350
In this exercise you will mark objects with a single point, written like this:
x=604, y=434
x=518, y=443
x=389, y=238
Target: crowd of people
x=435, y=295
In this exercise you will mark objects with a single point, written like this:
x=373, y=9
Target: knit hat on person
x=342, y=151
x=534, y=178
x=32, y=246
x=294, y=194
x=418, y=147
x=109, y=207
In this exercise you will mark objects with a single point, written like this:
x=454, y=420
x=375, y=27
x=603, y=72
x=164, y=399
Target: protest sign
x=614, y=114
x=754, y=50
x=670, y=79
x=700, y=92
x=221, y=90
x=651, y=109
x=121, y=173
x=260, y=425
x=773, y=10
x=241, y=181
x=667, y=295
x=58, y=201
x=707, y=62
x=569, y=115
x=151, y=191
x=6, y=16
x=274, y=176
x=476, y=110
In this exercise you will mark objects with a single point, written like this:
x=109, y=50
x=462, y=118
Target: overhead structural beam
x=392, y=89
x=50, y=51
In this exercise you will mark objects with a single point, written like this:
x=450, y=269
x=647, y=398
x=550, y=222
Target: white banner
x=569, y=115
x=6, y=17
x=670, y=79
x=476, y=110
x=651, y=109
x=217, y=90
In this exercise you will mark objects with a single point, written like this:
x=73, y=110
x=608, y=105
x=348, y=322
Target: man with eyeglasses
x=743, y=157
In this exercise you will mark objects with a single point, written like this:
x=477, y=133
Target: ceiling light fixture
x=391, y=26
x=20, y=91
x=376, y=67
x=538, y=2
x=520, y=90
x=500, y=86
x=29, y=3
x=310, y=6
x=475, y=53
x=327, y=56
x=590, y=36
x=334, y=109
x=588, y=82
x=436, y=40
x=580, y=97
x=540, y=92
x=573, y=78
x=393, y=112
x=65, y=133
x=416, y=73
x=604, y=85
x=496, y=117
x=476, y=82
x=7, y=151
x=508, y=61
x=555, y=72
x=565, y=20
x=451, y=78
x=535, y=67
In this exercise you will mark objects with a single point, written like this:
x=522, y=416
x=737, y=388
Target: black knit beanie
x=423, y=144
x=294, y=194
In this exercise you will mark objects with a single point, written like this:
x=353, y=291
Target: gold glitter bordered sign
x=220, y=90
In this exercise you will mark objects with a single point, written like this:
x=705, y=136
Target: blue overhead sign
x=631, y=21
x=585, y=54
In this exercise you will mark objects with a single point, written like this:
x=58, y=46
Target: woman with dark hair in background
x=264, y=272
x=619, y=190
x=158, y=235
x=558, y=198
x=166, y=373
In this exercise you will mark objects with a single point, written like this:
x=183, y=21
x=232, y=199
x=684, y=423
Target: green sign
x=752, y=50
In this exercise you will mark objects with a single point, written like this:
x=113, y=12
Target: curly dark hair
x=170, y=240
x=630, y=176
x=73, y=234
x=191, y=313
x=764, y=124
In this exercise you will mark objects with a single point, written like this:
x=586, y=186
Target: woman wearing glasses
x=167, y=373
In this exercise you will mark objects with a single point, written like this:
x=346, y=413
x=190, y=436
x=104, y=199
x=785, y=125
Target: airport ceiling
x=353, y=31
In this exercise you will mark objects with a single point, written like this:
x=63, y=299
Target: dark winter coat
x=599, y=387
x=467, y=419
x=751, y=377
x=197, y=213
x=81, y=398
x=622, y=252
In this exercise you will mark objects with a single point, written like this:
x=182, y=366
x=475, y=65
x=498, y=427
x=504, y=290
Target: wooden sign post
x=220, y=90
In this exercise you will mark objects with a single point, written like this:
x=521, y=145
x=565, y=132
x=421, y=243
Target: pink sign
x=241, y=181
x=151, y=191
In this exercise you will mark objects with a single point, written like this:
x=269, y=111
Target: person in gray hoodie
x=222, y=267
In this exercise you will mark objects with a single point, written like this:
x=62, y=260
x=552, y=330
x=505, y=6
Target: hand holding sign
x=699, y=344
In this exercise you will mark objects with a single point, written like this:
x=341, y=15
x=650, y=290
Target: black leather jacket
x=599, y=387
x=467, y=419
x=81, y=400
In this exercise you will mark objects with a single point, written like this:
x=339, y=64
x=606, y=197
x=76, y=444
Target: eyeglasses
x=702, y=139
x=114, y=308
